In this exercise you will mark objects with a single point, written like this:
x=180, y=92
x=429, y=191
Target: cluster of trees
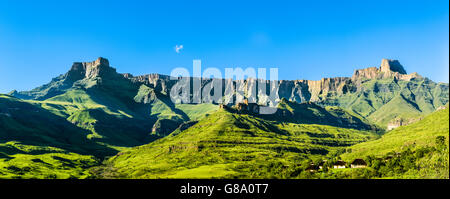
x=410, y=164
x=419, y=162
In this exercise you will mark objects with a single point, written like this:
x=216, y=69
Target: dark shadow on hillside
x=32, y=125
x=310, y=113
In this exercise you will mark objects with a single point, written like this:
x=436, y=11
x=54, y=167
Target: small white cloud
x=178, y=48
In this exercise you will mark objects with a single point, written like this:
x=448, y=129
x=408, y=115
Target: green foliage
x=422, y=163
x=418, y=150
x=419, y=134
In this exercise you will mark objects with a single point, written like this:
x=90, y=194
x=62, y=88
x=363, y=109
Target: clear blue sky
x=304, y=39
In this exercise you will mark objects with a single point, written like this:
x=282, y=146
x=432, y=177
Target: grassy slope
x=398, y=107
x=42, y=162
x=407, y=152
x=74, y=122
x=108, y=119
x=34, y=125
x=197, y=111
x=38, y=143
x=422, y=133
x=163, y=108
x=233, y=146
x=311, y=113
x=383, y=100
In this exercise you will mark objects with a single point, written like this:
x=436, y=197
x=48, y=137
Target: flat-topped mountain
x=97, y=68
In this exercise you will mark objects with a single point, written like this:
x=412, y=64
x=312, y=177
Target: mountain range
x=90, y=113
x=367, y=93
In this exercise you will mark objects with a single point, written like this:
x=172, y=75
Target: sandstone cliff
x=97, y=68
x=388, y=69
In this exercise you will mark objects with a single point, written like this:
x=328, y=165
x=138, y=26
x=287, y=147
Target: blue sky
x=304, y=39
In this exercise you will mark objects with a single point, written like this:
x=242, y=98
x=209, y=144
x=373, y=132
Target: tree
x=440, y=142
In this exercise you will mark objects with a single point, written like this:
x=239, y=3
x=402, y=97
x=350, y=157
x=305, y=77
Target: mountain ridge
x=101, y=68
x=365, y=92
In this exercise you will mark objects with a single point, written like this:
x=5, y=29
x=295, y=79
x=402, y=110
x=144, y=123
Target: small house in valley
x=339, y=164
x=358, y=163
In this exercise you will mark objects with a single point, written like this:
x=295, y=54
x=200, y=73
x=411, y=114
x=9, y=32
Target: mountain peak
x=389, y=69
x=101, y=61
x=390, y=65
x=97, y=68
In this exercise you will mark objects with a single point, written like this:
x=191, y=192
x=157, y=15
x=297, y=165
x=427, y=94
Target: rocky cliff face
x=388, y=69
x=89, y=72
x=294, y=90
x=97, y=68
x=367, y=91
x=389, y=65
x=395, y=123
x=161, y=83
x=303, y=90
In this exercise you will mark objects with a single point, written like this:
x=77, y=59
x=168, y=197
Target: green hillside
x=42, y=162
x=420, y=134
x=66, y=134
x=32, y=125
x=310, y=113
x=228, y=145
x=419, y=150
x=36, y=143
x=382, y=100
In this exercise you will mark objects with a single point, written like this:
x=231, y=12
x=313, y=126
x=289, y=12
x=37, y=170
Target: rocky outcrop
x=388, y=69
x=84, y=74
x=145, y=95
x=97, y=68
x=441, y=108
x=160, y=83
x=389, y=65
x=164, y=127
x=401, y=122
